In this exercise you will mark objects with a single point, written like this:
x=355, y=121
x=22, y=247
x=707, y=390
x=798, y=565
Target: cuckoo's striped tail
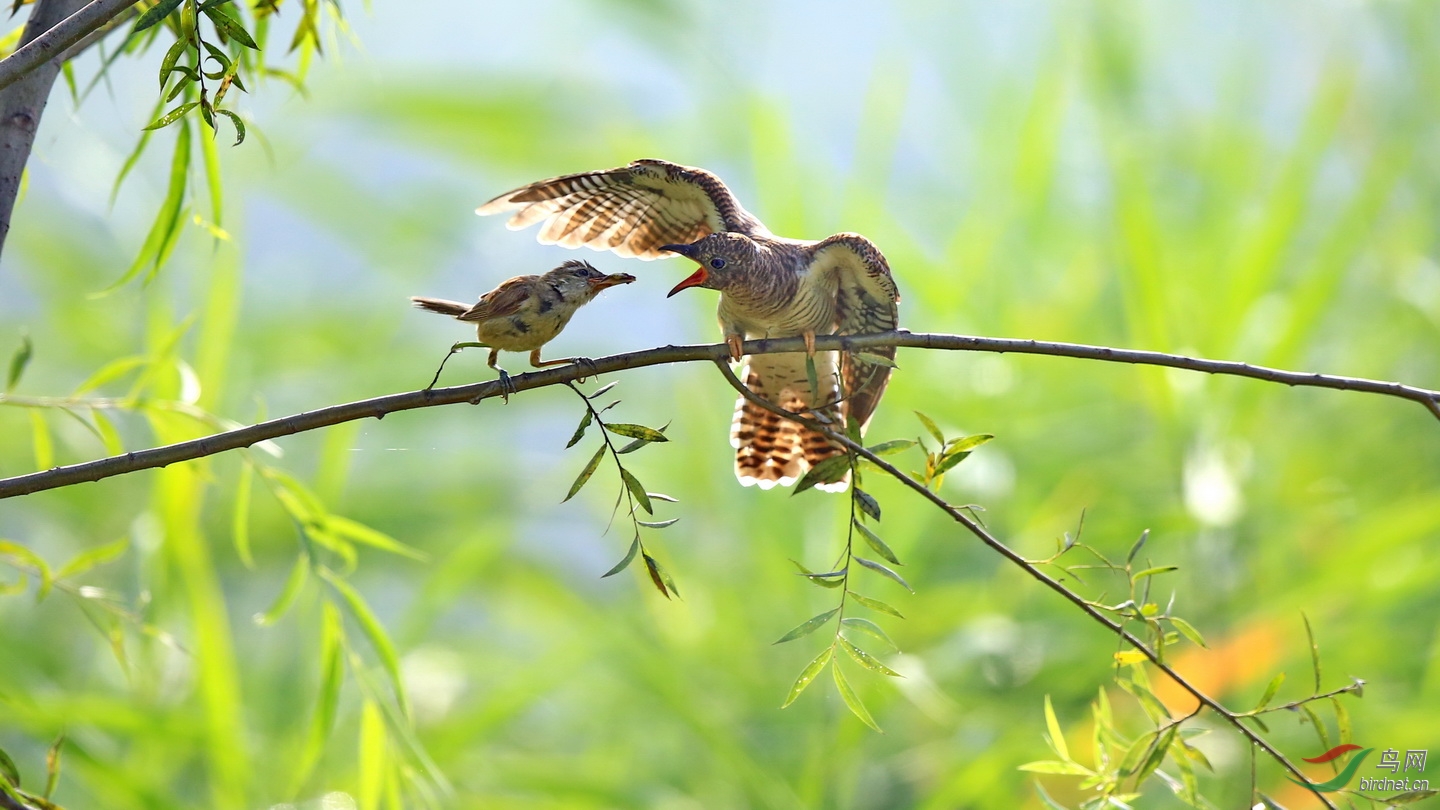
x=771, y=450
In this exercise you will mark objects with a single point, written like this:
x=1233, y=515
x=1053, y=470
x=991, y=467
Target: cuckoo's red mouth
x=694, y=280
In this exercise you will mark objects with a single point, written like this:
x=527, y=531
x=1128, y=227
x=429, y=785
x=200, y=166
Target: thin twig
x=474, y=393
x=1019, y=561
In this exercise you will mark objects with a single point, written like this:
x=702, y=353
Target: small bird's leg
x=809, y=342
x=453, y=349
x=734, y=341
x=506, y=386
x=584, y=361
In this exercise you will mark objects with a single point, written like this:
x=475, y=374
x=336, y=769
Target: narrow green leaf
x=807, y=675
x=8, y=771
x=1139, y=544
x=826, y=472
x=876, y=543
x=874, y=359
x=1342, y=721
x=1188, y=631
x=299, y=574
x=871, y=628
x=892, y=447
x=867, y=660
x=1270, y=692
x=967, y=443
x=602, y=390
x=174, y=115
x=636, y=489
x=867, y=503
x=808, y=626
x=332, y=676
x=829, y=579
x=154, y=14
x=852, y=700
x=1411, y=796
x=580, y=431
x=109, y=437
x=172, y=56
x=167, y=220
x=360, y=533
x=1156, y=754
x=373, y=762
x=876, y=605
x=660, y=496
x=235, y=120
x=1057, y=737
x=883, y=569
x=949, y=462
x=625, y=563
x=1314, y=651
x=230, y=28
x=636, y=432
x=658, y=524
x=660, y=576
x=52, y=766
x=1150, y=572
x=585, y=473
x=810, y=376
x=1052, y=766
x=26, y=557
x=374, y=632
x=210, y=159
x=18, y=361
x=40, y=439
x=92, y=557
x=1320, y=731
x=931, y=428
x=1137, y=753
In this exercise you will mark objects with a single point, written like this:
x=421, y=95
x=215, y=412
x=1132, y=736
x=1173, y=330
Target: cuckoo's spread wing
x=866, y=301
x=632, y=210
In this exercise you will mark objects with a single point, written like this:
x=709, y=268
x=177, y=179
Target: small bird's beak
x=694, y=280
x=610, y=281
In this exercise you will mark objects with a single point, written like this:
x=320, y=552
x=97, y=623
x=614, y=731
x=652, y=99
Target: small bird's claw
x=507, y=386
x=733, y=342
x=587, y=363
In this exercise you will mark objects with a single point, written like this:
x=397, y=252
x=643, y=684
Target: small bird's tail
x=452, y=308
x=771, y=450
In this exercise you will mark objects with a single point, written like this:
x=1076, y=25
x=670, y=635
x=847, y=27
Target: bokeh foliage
x=1253, y=183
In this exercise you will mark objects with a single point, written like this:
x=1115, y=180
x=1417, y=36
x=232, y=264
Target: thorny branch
x=1005, y=551
x=379, y=407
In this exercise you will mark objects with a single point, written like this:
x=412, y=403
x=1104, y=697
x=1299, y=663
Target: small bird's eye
x=717, y=263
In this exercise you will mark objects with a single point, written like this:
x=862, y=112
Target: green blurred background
x=1223, y=179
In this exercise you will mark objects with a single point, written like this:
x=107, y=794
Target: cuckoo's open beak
x=694, y=279
x=606, y=282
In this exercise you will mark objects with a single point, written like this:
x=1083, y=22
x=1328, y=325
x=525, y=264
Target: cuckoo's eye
x=717, y=263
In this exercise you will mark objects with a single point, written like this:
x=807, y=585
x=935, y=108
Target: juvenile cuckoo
x=770, y=287
x=526, y=312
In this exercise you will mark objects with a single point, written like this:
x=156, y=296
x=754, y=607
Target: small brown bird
x=769, y=286
x=526, y=312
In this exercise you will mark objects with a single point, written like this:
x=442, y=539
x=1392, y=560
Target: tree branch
x=474, y=393
x=55, y=38
x=27, y=76
x=1035, y=573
